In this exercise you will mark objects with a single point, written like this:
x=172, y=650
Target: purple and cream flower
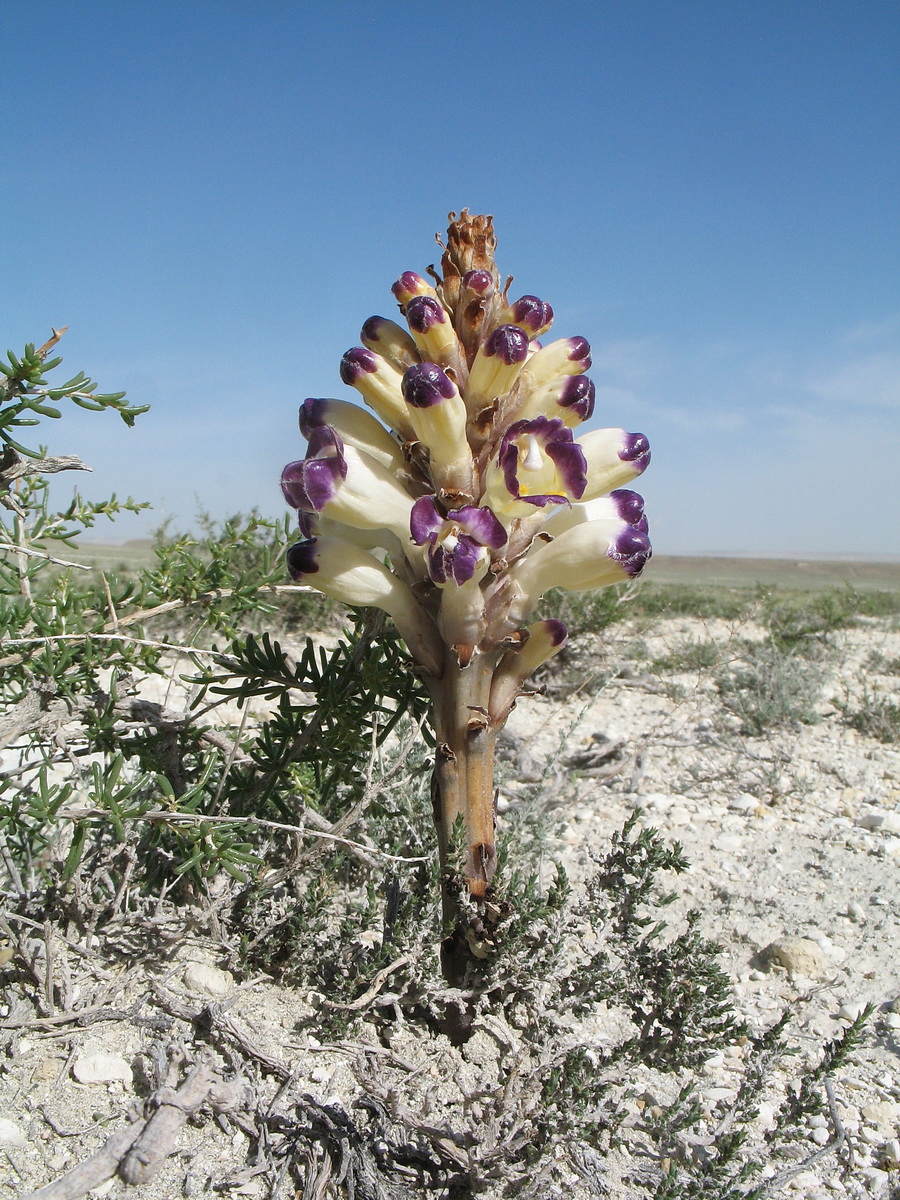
x=346, y=485
x=437, y=413
x=378, y=382
x=411, y=284
x=571, y=398
x=613, y=459
x=431, y=329
x=459, y=544
x=584, y=558
x=355, y=426
x=529, y=313
x=391, y=341
x=538, y=464
x=348, y=573
x=568, y=356
x=497, y=364
x=479, y=283
x=620, y=505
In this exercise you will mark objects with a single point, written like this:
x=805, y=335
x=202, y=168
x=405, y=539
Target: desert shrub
x=680, y=600
x=881, y=665
x=874, y=715
x=768, y=687
x=589, y=612
x=689, y=654
x=802, y=621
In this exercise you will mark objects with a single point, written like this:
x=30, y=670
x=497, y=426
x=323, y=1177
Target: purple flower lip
x=482, y=526
x=408, y=285
x=355, y=362
x=310, y=483
x=580, y=351
x=306, y=523
x=425, y=384
x=559, y=446
x=424, y=520
x=454, y=557
x=630, y=507
x=578, y=393
x=302, y=559
x=423, y=312
x=557, y=634
x=508, y=343
x=479, y=282
x=313, y=415
x=636, y=450
x=532, y=313
x=631, y=549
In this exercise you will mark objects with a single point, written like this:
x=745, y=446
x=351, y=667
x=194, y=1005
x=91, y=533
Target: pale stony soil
x=793, y=834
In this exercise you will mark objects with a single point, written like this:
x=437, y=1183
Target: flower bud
x=568, y=356
x=431, y=329
x=409, y=285
x=378, y=382
x=437, y=413
x=593, y=555
x=356, y=428
x=613, y=458
x=529, y=313
x=391, y=341
x=479, y=283
x=542, y=641
x=349, y=574
x=571, y=398
x=497, y=364
x=346, y=485
x=621, y=505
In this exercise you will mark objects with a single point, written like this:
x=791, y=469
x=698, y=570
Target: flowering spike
x=456, y=517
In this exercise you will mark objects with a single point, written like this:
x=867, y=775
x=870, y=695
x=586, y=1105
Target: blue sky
x=215, y=196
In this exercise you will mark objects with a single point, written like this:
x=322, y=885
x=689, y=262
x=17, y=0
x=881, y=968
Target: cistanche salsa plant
x=457, y=502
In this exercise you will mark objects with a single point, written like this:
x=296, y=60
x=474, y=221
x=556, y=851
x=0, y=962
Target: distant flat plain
x=795, y=574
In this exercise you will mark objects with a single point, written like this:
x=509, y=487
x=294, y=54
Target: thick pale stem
x=463, y=784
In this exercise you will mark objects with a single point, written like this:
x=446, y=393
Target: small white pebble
x=850, y=1010
x=892, y=1020
x=11, y=1134
x=320, y=1074
x=856, y=912
x=890, y=1152
x=820, y=1136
